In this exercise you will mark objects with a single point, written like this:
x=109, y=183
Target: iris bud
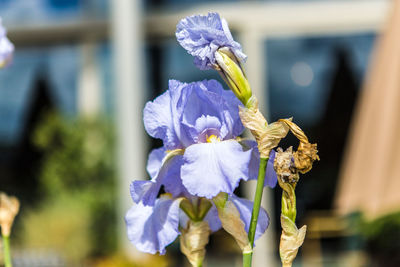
x=233, y=74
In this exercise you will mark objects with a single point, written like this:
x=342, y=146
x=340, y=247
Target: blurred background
x=72, y=137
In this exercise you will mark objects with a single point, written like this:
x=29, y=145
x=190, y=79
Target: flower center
x=213, y=139
x=209, y=135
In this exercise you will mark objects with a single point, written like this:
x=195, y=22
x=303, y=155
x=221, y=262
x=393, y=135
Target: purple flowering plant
x=199, y=124
x=6, y=47
x=203, y=157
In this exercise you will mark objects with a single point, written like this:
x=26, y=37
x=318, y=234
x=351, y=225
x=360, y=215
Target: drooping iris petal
x=167, y=175
x=210, y=168
x=152, y=228
x=144, y=191
x=270, y=175
x=245, y=208
x=213, y=219
x=202, y=36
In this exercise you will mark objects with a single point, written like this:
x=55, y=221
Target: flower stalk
x=288, y=165
x=247, y=257
x=7, y=251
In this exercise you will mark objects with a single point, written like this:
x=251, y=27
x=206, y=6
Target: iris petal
x=167, y=175
x=213, y=219
x=158, y=120
x=245, y=208
x=214, y=167
x=270, y=175
x=202, y=36
x=152, y=228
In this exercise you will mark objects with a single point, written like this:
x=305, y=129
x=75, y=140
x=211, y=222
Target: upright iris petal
x=202, y=36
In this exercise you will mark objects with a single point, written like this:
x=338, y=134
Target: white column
x=89, y=85
x=127, y=38
x=253, y=45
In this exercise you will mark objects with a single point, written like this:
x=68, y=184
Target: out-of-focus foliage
x=61, y=225
x=381, y=237
x=77, y=214
x=121, y=261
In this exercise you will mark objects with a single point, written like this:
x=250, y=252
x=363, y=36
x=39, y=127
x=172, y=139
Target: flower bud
x=231, y=71
x=9, y=207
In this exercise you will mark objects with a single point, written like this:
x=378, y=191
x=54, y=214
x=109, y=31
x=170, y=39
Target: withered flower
x=291, y=240
x=194, y=239
x=9, y=207
x=285, y=167
x=267, y=135
x=306, y=153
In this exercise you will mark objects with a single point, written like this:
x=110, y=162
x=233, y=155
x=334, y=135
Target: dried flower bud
x=194, y=240
x=231, y=222
x=291, y=239
x=306, y=153
x=267, y=135
x=9, y=207
x=284, y=166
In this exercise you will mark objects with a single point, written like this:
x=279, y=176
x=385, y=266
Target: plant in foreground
x=199, y=166
x=203, y=159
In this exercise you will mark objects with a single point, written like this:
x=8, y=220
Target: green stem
x=256, y=207
x=247, y=257
x=7, y=254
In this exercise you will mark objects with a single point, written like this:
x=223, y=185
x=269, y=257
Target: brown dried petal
x=295, y=130
x=291, y=240
x=267, y=135
x=306, y=153
x=9, y=207
x=231, y=222
x=305, y=156
x=194, y=240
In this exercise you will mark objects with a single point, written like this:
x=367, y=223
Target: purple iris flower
x=202, y=120
x=6, y=47
x=198, y=123
x=202, y=36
